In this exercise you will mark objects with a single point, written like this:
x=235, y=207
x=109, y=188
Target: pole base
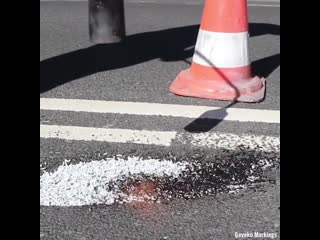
x=106, y=21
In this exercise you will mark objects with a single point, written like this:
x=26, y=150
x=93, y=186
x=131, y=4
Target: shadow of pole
x=168, y=45
x=173, y=44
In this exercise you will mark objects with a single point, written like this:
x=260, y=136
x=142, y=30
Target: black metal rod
x=106, y=21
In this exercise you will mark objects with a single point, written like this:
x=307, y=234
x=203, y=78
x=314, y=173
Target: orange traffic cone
x=221, y=68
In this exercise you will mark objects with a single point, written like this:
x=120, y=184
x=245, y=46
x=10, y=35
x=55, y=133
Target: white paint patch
x=156, y=109
x=87, y=183
x=232, y=141
x=164, y=138
x=107, y=135
x=222, y=50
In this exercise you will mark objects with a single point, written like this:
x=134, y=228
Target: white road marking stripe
x=163, y=138
x=224, y=50
x=156, y=109
x=232, y=141
x=263, y=5
x=107, y=135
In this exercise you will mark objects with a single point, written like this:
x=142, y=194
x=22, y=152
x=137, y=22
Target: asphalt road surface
x=104, y=105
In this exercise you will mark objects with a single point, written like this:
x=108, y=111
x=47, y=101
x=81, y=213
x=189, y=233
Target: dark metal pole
x=106, y=21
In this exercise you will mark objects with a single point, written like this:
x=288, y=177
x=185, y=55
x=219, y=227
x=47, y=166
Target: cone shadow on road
x=257, y=29
x=173, y=44
x=265, y=66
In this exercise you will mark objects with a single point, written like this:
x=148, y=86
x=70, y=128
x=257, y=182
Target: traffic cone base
x=220, y=66
x=191, y=84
